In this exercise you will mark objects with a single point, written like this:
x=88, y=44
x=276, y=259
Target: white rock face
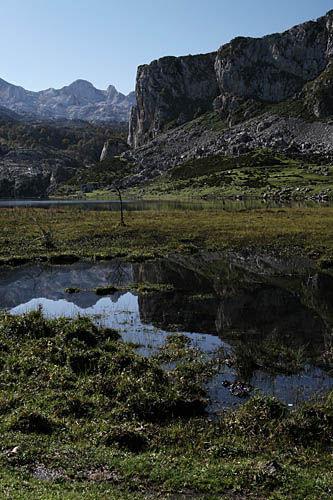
x=113, y=148
x=79, y=100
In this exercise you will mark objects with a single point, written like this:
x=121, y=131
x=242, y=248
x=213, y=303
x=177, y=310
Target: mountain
x=244, y=78
x=195, y=113
x=33, y=172
x=79, y=100
x=169, y=92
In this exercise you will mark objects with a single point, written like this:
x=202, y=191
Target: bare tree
x=122, y=222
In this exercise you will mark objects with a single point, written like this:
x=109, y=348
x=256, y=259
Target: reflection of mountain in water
x=246, y=297
x=29, y=282
x=184, y=309
x=229, y=296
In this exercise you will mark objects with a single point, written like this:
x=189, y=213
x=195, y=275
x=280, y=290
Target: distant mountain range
x=79, y=101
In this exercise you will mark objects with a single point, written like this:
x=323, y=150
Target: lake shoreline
x=64, y=235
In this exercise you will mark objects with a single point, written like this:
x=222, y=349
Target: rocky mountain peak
x=79, y=100
x=169, y=92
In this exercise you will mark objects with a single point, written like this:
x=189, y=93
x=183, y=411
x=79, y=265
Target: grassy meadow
x=83, y=416
x=63, y=235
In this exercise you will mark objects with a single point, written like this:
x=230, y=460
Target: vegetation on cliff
x=257, y=174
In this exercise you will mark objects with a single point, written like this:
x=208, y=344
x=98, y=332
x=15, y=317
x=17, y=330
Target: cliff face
x=275, y=67
x=169, y=92
x=113, y=148
x=245, y=72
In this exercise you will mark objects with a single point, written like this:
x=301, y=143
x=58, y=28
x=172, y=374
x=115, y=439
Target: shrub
x=259, y=414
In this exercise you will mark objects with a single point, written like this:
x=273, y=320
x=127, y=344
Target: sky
x=51, y=43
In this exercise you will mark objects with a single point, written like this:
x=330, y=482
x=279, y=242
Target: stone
x=236, y=81
x=113, y=147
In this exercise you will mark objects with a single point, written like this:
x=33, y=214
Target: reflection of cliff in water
x=233, y=296
x=191, y=307
x=238, y=299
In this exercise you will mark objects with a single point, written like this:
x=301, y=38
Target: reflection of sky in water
x=123, y=314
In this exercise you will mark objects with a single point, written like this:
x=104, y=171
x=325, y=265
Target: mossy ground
x=77, y=234
x=84, y=416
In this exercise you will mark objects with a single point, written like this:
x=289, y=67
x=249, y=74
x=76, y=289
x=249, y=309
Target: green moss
x=150, y=288
x=151, y=234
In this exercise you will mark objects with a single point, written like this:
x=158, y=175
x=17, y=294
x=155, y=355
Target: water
x=131, y=205
x=235, y=322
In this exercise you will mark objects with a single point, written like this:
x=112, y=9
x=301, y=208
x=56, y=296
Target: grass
x=84, y=416
x=102, y=175
x=82, y=234
x=260, y=173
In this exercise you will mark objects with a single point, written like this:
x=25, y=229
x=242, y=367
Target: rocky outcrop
x=113, y=148
x=79, y=100
x=249, y=72
x=33, y=173
x=195, y=141
x=171, y=91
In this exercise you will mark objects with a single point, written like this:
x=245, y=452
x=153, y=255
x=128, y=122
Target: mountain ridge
x=79, y=100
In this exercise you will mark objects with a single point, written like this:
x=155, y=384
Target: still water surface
x=210, y=320
x=131, y=205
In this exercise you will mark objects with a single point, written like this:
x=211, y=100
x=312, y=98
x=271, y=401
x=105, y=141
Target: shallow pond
x=130, y=205
x=271, y=321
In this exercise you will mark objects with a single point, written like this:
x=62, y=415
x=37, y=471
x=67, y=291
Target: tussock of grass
x=146, y=288
x=81, y=411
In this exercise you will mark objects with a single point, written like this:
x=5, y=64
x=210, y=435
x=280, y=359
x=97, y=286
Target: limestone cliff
x=169, y=92
x=245, y=73
x=275, y=67
x=113, y=147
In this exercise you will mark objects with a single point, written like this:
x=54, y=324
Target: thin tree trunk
x=122, y=222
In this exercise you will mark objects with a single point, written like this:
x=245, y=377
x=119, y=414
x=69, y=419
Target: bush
x=259, y=414
x=83, y=330
x=32, y=325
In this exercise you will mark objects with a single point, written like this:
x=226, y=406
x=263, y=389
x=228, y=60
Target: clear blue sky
x=50, y=43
